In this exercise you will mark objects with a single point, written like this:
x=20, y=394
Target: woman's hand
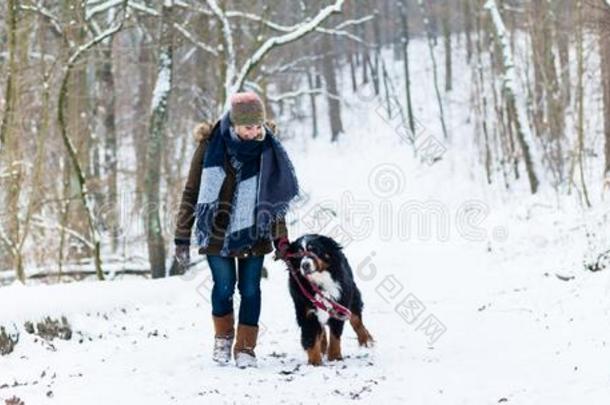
x=281, y=247
x=183, y=255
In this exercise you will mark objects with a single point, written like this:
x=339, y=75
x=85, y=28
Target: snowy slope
x=466, y=309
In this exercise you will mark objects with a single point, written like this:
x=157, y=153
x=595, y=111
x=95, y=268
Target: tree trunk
x=581, y=104
x=404, y=19
x=9, y=95
x=467, y=15
x=79, y=131
x=604, y=46
x=312, y=101
x=10, y=142
x=334, y=104
x=447, y=34
x=562, y=27
x=145, y=60
x=377, y=38
x=431, y=45
x=157, y=135
x=550, y=115
x=352, y=69
x=108, y=100
x=517, y=110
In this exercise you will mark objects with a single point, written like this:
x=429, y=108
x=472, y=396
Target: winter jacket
x=186, y=213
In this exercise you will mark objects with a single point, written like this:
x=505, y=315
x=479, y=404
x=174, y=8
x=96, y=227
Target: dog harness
x=319, y=300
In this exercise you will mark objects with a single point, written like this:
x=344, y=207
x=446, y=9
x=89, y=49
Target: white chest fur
x=329, y=287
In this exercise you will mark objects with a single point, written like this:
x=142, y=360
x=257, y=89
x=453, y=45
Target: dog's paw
x=366, y=341
x=315, y=363
x=314, y=357
x=368, y=344
x=335, y=357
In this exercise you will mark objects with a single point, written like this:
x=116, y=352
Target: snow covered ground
x=485, y=301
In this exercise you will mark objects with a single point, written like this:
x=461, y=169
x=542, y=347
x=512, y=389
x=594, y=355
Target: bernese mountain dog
x=319, y=260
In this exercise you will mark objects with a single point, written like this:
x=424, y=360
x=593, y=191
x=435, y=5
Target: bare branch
x=143, y=8
x=42, y=223
x=290, y=66
x=92, y=11
x=47, y=14
x=345, y=34
x=349, y=23
x=302, y=30
x=85, y=47
x=7, y=241
x=256, y=18
x=193, y=7
x=229, y=48
x=294, y=94
x=338, y=30
x=198, y=44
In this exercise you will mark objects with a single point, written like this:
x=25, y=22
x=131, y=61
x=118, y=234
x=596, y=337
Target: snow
x=471, y=307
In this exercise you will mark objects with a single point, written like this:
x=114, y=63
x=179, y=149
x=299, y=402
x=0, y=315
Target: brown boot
x=224, y=332
x=245, y=343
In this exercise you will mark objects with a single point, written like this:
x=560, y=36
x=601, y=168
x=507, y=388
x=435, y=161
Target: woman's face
x=249, y=132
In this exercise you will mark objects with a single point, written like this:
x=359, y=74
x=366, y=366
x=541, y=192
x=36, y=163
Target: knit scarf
x=265, y=185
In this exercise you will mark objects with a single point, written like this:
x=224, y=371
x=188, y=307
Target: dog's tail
x=364, y=337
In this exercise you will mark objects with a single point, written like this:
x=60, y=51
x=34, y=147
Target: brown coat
x=186, y=213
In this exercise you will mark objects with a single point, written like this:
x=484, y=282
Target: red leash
x=333, y=308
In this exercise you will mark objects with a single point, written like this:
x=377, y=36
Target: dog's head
x=311, y=254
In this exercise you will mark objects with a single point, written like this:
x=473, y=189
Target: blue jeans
x=224, y=276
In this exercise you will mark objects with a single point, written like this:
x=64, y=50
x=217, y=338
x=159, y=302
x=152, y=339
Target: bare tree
x=234, y=75
x=85, y=196
x=431, y=45
x=580, y=95
x=516, y=109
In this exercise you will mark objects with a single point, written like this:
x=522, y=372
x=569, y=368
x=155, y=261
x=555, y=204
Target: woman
x=240, y=184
